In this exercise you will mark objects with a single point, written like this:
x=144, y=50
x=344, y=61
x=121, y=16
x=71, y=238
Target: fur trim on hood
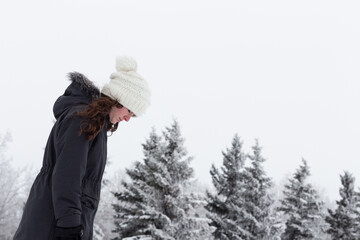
x=81, y=91
x=85, y=84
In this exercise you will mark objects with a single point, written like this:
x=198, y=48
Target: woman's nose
x=127, y=118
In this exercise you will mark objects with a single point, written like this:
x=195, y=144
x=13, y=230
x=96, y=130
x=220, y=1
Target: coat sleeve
x=69, y=170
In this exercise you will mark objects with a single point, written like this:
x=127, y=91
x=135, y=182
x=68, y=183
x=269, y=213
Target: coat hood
x=81, y=91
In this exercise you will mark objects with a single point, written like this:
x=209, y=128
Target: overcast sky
x=284, y=72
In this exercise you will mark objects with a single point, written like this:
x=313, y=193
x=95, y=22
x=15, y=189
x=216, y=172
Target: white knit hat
x=128, y=87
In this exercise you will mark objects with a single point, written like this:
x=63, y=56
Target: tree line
x=156, y=204
x=160, y=200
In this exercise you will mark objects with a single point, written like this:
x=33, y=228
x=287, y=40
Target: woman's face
x=118, y=114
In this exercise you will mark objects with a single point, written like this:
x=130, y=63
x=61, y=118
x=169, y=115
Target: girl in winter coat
x=65, y=195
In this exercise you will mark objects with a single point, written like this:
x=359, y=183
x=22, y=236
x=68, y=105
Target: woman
x=65, y=195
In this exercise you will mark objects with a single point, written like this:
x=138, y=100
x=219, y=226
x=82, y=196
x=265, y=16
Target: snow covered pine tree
x=226, y=206
x=303, y=208
x=344, y=222
x=240, y=208
x=153, y=205
x=258, y=219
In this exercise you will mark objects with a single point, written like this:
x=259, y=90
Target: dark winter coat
x=66, y=191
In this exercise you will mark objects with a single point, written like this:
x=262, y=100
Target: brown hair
x=95, y=114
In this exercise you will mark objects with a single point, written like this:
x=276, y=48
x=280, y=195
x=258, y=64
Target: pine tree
x=153, y=203
x=343, y=221
x=302, y=206
x=136, y=213
x=186, y=224
x=226, y=206
x=257, y=198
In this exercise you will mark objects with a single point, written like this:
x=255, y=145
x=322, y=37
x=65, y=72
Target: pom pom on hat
x=127, y=87
x=126, y=64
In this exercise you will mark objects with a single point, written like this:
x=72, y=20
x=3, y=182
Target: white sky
x=285, y=72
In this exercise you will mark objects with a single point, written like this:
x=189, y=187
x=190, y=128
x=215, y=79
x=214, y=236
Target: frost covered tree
x=153, y=203
x=240, y=208
x=302, y=206
x=104, y=220
x=258, y=220
x=344, y=221
x=10, y=189
x=226, y=205
x=274, y=225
